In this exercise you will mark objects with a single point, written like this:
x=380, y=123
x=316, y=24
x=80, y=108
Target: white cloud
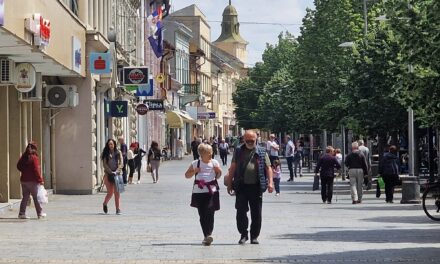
x=272, y=11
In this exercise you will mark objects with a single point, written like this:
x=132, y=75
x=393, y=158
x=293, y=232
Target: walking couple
x=250, y=174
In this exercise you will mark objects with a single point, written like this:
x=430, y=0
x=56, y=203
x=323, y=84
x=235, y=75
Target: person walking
x=298, y=160
x=179, y=148
x=124, y=149
x=139, y=154
x=224, y=151
x=112, y=162
x=194, y=146
x=366, y=151
x=153, y=160
x=326, y=166
x=205, y=193
x=389, y=170
x=130, y=162
x=338, y=155
x=276, y=171
x=289, y=153
x=214, y=145
x=357, y=169
x=251, y=173
x=29, y=166
x=273, y=148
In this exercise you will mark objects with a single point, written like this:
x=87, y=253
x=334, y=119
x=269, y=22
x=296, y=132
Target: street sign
x=206, y=115
x=100, y=63
x=142, y=109
x=135, y=76
x=155, y=104
x=118, y=108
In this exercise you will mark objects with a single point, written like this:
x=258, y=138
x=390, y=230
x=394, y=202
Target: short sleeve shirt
x=206, y=173
x=250, y=162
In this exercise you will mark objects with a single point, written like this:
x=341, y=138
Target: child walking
x=276, y=169
x=205, y=195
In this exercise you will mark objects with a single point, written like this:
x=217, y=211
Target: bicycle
x=431, y=201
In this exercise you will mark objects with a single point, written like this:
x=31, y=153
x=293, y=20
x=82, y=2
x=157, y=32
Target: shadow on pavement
x=421, y=236
x=389, y=207
x=191, y=244
x=404, y=255
x=422, y=219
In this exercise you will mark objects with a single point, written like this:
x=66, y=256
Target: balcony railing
x=191, y=88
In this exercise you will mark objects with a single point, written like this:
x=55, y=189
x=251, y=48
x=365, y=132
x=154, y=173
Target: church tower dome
x=230, y=39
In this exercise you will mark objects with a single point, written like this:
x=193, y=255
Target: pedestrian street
x=157, y=225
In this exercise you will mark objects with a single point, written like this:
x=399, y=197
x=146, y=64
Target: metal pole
x=343, y=148
x=411, y=147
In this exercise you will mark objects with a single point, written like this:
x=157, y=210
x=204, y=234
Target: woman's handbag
x=149, y=169
x=119, y=183
x=315, y=183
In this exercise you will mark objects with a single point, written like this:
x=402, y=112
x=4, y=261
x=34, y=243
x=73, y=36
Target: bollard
x=410, y=190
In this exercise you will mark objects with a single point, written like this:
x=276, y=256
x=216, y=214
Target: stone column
x=4, y=151
x=90, y=13
x=15, y=145
x=95, y=15
x=84, y=11
x=101, y=16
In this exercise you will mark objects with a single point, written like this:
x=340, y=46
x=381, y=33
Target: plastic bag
x=42, y=195
x=380, y=182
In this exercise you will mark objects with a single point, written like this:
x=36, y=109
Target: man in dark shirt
x=245, y=174
x=124, y=150
x=357, y=169
x=326, y=166
x=194, y=146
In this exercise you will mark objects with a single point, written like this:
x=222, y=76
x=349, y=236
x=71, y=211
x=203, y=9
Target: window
x=72, y=5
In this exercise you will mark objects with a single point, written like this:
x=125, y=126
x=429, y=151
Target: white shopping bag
x=42, y=195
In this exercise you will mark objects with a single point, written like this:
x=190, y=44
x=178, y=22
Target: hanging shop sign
x=25, y=73
x=135, y=76
x=2, y=12
x=155, y=104
x=100, y=63
x=118, y=108
x=142, y=109
x=160, y=78
x=206, y=115
x=76, y=54
x=40, y=28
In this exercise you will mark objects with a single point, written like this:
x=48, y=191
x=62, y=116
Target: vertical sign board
x=2, y=12
x=118, y=108
x=76, y=54
x=100, y=63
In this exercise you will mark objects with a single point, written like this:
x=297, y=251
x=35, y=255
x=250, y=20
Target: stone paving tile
x=159, y=226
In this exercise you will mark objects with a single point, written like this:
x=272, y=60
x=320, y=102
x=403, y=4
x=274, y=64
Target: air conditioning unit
x=6, y=71
x=61, y=96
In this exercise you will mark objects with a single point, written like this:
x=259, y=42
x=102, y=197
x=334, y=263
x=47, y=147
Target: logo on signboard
x=155, y=104
x=100, y=63
x=118, y=108
x=135, y=75
x=206, y=115
x=40, y=28
x=25, y=73
x=142, y=109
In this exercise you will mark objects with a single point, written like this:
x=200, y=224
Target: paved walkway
x=159, y=226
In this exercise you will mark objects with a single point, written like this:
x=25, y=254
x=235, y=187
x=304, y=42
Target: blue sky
x=285, y=12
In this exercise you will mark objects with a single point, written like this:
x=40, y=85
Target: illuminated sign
x=40, y=28
x=100, y=63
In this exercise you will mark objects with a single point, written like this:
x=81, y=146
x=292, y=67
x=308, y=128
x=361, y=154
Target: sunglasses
x=250, y=141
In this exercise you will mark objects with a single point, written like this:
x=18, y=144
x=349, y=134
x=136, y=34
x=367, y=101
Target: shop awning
x=175, y=119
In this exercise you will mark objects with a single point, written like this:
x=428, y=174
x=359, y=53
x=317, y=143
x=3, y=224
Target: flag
x=156, y=43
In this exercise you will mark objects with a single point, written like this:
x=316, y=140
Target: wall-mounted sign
x=142, y=109
x=40, y=28
x=118, y=108
x=2, y=12
x=206, y=115
x=155, y=104
x=25, y=74
x=160, y=78
x=135, y=76
x=76, y=55
x=100, y=63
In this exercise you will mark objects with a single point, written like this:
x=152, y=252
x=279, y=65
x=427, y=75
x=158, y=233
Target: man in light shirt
x=290, y=152
x=272, y=148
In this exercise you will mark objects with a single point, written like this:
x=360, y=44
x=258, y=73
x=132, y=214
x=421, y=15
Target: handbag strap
x=195, y=175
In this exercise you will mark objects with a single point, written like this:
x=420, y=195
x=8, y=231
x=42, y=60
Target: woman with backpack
x=153, y=160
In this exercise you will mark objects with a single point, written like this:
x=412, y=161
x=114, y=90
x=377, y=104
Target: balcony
x=191, y=93
x=191, y=88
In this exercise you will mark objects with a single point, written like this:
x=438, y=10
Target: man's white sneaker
x=42, y=215
x=23, y=217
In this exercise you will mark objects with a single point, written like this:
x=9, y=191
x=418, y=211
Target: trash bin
x=410, y=190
